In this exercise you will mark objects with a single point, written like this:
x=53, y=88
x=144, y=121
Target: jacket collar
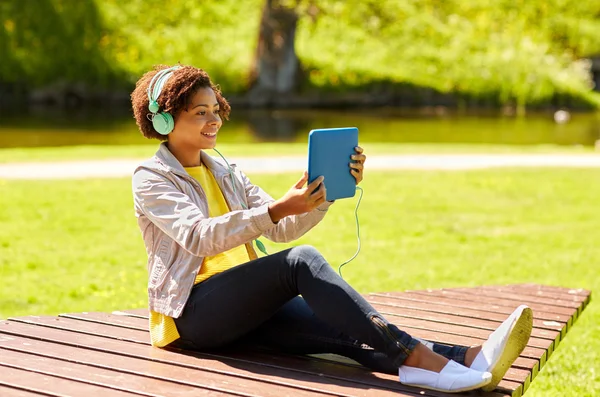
x=167, y=158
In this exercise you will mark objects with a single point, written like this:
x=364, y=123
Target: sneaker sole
x=517, y=340
x=473, y=387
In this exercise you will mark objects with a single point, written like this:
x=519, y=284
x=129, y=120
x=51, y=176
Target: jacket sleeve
x=289, y=228
x=174, y=212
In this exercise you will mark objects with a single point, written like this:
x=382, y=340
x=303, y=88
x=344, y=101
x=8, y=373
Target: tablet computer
x=329, y=151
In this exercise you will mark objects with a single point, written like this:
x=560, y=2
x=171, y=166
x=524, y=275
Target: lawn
x=68, y=247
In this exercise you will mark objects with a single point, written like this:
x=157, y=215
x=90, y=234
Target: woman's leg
x=229, y=305
x=295, y=329
x=456, y=353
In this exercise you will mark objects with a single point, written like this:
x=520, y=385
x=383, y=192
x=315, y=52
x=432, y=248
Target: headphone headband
x=157, y=83
x=162, y=122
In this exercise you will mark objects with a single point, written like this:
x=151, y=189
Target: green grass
x=68, y=247
x=96, y=152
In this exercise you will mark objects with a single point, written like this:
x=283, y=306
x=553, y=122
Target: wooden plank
x=290, y=370
x=197, y=377
x=512, y=388
x=582, y=297
x=551, y=288
x=535, y=292
x=540, y=308
x=67, y=324
x=477, y=305
x=39, y=384
x=141, y=312
x=133, y=322
x=6, y=391
x=517, y=297
x=104, y=377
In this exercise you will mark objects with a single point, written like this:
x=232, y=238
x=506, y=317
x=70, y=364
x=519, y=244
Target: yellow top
x=162, y=328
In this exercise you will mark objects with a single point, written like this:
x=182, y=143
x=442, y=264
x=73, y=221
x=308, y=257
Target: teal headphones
x=162, y=122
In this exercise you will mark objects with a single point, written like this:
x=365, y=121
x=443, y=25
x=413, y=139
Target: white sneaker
x=504, y=345
x=452, y=378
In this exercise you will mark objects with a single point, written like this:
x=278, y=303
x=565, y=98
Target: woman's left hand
x=358, y=165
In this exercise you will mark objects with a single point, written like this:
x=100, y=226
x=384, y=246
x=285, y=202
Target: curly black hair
x=174, y=97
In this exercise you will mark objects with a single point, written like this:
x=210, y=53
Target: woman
x=207, y=288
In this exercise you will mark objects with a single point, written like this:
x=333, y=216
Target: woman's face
x=197, y=127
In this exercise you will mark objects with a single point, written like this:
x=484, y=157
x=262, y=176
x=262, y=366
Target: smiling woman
x=207, y=288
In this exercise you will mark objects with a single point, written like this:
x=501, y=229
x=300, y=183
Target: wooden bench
x=89, y=354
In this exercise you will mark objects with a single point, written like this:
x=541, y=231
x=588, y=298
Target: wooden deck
x=89, y=354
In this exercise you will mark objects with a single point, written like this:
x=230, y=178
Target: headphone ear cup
x=163, y=123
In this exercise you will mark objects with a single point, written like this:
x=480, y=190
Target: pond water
x=84, y=127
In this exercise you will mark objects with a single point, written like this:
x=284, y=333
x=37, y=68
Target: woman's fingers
x=302, y=180
x=357, y=166
x=359, y=158
x=357, y=174
x=319, y=195
x=314, y=185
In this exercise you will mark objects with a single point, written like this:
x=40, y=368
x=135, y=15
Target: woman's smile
x=209, y=134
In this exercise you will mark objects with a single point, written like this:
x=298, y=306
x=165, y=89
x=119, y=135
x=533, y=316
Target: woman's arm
x=289, y=227
x=174, y=212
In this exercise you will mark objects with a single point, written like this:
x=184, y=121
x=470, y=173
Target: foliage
x=504, y=51
x=49, y=41
x=218, y=36
x=69, y=246
x=521, y=52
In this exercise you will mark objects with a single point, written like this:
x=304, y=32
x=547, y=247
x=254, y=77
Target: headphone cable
x=357, y=232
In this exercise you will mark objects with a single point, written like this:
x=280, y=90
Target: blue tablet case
x=329, y=151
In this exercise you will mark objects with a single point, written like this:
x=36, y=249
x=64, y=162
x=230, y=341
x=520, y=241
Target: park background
x=417, y=77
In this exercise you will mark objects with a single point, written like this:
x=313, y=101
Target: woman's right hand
x=299, y=199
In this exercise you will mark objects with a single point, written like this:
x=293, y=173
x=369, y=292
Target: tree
x=276, y=70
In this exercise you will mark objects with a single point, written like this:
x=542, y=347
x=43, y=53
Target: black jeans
x=258, y=303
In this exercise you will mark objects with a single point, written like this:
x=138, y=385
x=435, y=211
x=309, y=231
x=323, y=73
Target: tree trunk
x=276, y=68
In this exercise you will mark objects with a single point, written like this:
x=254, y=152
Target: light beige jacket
x=172, y=213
